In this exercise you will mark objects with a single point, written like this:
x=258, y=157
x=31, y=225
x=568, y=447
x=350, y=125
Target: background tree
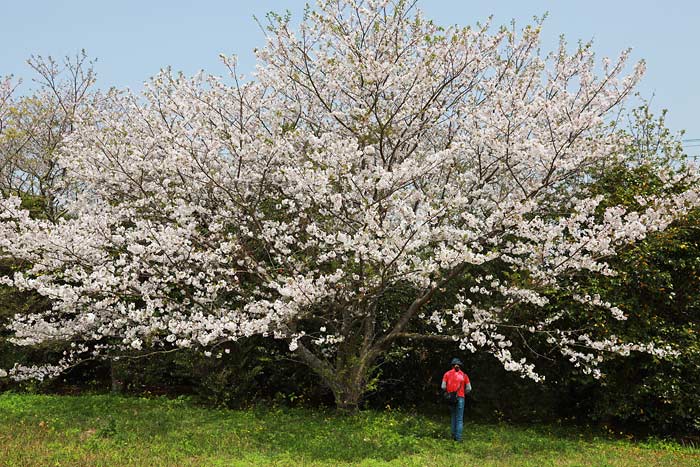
x=35, y=126
x=373, y=152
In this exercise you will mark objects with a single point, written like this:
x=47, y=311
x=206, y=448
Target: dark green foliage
x=411, y=377
x=253, y=370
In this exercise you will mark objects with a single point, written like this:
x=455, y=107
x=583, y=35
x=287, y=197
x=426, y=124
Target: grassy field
x=118, y=431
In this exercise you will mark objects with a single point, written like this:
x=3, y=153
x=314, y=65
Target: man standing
x=455, y=380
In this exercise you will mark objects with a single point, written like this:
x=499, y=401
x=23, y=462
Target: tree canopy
x=372, y=151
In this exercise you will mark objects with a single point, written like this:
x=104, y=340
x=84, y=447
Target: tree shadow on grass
x=195, y=431
x=331, y=436
x=177, y=426
x=387, y=436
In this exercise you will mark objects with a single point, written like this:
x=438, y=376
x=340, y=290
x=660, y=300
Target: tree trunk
x=347, y=378
x=116, y=384
x=348, y=393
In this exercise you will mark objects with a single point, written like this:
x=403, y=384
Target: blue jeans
x=457, y=418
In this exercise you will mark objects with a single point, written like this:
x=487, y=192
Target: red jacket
x=456, y=381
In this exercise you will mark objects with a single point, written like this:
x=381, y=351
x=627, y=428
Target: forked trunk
x=348, y=378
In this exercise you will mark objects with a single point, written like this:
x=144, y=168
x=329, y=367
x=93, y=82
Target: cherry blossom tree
x=371, y=150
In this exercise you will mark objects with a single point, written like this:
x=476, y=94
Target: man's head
x=456, y=363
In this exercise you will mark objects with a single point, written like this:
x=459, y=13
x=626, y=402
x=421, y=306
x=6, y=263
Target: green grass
x=98, y=430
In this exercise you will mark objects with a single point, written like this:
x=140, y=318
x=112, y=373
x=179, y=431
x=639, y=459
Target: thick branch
x=414, y=308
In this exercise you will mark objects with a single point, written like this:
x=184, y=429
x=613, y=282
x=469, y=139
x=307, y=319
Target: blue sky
x=134, y=39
